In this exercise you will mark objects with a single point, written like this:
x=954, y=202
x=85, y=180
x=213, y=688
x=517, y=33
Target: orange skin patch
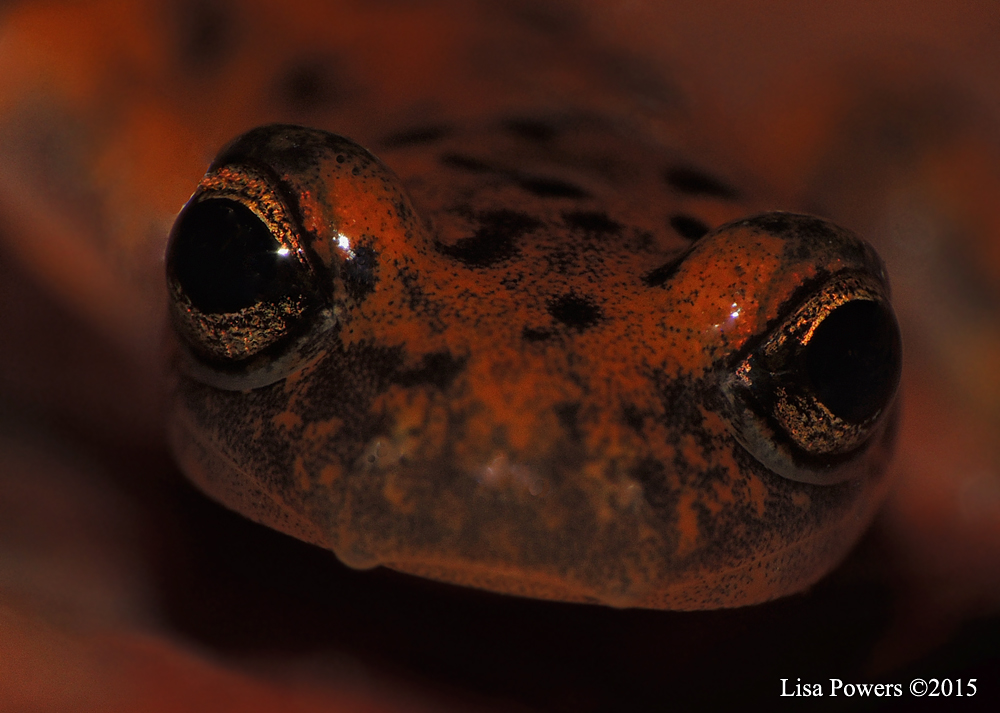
x=521, y=388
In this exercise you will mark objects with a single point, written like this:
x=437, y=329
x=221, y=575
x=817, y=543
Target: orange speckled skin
x=522, y=388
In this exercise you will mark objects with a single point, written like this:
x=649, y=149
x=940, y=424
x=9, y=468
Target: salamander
x=523, y=341
x=110, y=113
x=522, y=376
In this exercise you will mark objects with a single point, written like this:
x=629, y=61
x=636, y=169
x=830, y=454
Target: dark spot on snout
x=493, y=241
x=575, y=311
x=693, y=182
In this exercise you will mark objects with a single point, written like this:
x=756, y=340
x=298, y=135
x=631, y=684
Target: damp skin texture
x=521, y=388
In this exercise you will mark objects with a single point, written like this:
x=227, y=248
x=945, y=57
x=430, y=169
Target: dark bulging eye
x=243, y=295
x=853, y=360
x=821, y=385
x=225, y=258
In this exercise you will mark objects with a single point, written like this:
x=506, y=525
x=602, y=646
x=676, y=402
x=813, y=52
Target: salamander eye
x=242, y=292
x=853, y=359
x=820, y=385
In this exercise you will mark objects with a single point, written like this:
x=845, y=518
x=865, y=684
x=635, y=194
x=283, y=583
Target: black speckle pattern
x=575, y=311
x=494, y=240
x=359, y=273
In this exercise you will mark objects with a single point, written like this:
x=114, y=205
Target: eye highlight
x=852, y=360
x=242, y=290
x=820, y=384
x=225, y=258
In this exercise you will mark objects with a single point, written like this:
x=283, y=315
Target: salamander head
x=525, y=367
